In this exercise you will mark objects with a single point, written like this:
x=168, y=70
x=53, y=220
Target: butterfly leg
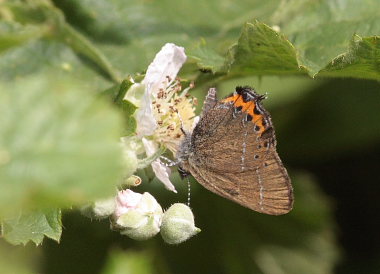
x=183, y=173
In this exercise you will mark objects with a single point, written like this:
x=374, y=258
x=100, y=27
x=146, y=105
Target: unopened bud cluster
x=140, y=217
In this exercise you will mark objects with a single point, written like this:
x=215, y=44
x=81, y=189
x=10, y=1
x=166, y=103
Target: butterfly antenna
x=188, y=191
x=263, y=97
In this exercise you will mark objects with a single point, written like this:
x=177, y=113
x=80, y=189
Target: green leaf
x=58, y=144
x=46, y=16
x=317, y=32
x=130, y=121
x=127, y=107
x=116, y=95
x=81, y=45
x=99, y=19
x=322, y=30
x=33, y=227
x=12, y=34
x=361, y=61
x=261, y=50
x=46, y=57
x=207, y=58
x=35, y=12
x=124, y=86
x=132, y=33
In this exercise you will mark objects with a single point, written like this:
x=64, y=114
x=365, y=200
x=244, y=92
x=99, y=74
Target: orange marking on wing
x=259, y=123
x=247, y=107
x=238, y=102
x=232, y=98
x=262, y=129
x=250, y=111
x=256, y=117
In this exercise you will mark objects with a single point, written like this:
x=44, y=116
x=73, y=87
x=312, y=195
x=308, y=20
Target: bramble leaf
x=33, y=226
x=59, y=145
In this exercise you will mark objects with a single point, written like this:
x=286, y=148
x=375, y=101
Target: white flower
x=163, y=108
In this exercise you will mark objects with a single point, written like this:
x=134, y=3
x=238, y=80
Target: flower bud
x=138, y=216
x=104, y=208
x=130, y=147
x=132, y=181
x=178, y=224
x=100, y=209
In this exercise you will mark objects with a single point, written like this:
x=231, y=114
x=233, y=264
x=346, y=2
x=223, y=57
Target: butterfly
x=232, y=152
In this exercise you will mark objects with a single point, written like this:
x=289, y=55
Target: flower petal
x=146, y=123
x=126, y=200
x=161, y=171
x=150, y=146
x=167, y=63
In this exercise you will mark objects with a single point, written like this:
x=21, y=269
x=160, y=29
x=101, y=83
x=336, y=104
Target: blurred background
x=327, y=130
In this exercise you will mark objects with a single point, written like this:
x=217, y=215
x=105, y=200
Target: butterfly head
x=249, y=94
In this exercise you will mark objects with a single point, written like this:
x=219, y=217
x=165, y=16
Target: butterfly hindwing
x=261, y=190
x=234, y=154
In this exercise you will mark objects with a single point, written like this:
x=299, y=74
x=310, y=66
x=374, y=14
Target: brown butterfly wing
x=228, y=142
x=276, y=197
x=235, y=161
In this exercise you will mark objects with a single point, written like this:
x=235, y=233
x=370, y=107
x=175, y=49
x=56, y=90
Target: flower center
x=173, y=109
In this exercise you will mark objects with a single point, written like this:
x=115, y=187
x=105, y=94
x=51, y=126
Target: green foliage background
x=319, y=61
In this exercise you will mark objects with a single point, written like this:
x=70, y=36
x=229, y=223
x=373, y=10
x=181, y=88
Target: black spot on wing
x=268, y=133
